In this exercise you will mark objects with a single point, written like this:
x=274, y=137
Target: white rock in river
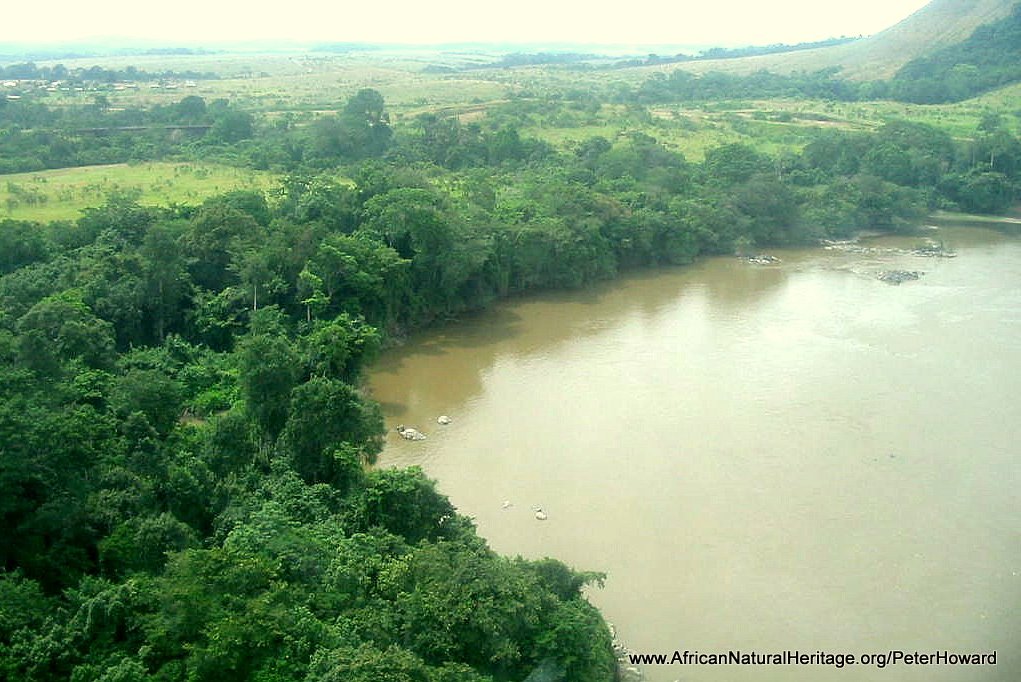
x=443, y=419
x=409, y=433
x=540, y=515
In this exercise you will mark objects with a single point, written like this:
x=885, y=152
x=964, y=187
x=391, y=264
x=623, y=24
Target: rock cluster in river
x=626, y=671
x=929, y=249
x=898, y=276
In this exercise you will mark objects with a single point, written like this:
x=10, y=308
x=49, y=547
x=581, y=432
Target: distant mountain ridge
x=939, y=24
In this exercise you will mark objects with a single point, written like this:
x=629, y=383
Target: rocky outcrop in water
x=409, y=433
x=928, y=249
x=898, y=276
x=763, y=259
x=626, y=671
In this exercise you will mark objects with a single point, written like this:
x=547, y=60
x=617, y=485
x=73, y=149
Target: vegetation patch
x=62, y=194
x=184, y=441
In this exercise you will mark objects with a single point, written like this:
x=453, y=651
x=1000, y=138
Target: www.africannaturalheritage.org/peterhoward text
x=824, y=658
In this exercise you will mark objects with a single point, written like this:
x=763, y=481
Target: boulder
x=898, y=276
x=409, y=434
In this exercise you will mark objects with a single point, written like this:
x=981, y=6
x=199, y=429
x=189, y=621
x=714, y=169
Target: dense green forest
x=183, y=456
x=184, y=446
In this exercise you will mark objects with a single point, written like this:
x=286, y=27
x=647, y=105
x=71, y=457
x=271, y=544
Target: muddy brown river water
x=760, y=457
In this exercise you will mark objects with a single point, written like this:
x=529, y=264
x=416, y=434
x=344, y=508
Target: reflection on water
x=759, y=457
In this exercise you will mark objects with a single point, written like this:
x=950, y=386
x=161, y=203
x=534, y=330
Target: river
x=759, y=457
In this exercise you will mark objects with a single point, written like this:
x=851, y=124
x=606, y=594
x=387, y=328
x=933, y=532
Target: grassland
x=773, y=125
x=305, y=82
x=413, y=82
x=451, y=84
x=62, y=194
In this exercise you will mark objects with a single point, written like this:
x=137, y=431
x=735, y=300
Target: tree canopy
x=186, y=489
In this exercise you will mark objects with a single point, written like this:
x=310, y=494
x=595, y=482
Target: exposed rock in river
x=930, y=248
x=409, y=433
x=626, y=671
x=898, y=276
x=763, y=259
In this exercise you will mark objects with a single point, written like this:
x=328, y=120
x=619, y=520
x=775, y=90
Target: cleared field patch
x=62, y=194
x=303, y=82
x=770, y=126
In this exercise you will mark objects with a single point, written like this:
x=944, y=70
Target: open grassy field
x=62, y=194
x=453, y=84
x=305, y=82
x=690, y=134
x=776, y=125
x=773, y=125
x=414, y=81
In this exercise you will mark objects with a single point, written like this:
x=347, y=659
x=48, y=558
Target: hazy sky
x=429, y=21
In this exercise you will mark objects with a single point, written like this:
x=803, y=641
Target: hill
x=989, y=58
x=938, y=24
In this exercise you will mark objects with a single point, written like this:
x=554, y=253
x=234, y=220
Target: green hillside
x=938, y=24
x=989, y=58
